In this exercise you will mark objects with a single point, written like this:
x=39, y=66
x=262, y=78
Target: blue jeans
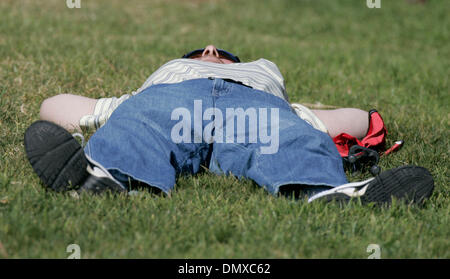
x=173, y=129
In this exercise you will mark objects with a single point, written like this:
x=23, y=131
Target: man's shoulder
x=264, y=61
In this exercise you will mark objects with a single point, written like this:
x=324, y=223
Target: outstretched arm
x=66, y=110
x=74, y=112
x=351, y=121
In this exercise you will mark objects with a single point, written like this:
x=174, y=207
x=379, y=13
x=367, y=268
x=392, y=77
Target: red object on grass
x=395, y=147
x=375, y=138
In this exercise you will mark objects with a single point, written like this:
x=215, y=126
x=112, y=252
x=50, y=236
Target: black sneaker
x=411, y=184
x=59, y=160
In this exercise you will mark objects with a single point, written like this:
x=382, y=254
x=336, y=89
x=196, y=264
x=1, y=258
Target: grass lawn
x=341, y=53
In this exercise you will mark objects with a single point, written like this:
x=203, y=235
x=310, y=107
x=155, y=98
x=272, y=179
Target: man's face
x=210, y=54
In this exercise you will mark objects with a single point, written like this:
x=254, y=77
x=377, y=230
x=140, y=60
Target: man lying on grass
x=208, y=109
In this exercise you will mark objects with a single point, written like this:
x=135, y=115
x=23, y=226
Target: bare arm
x=351, y=121
x=66, y=110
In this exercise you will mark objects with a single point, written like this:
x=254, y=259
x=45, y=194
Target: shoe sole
x=410, y=184
x=55, y=155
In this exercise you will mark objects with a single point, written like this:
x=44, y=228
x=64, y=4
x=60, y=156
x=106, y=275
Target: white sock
x=99, y=171
x=96, y=171
x=353, y=189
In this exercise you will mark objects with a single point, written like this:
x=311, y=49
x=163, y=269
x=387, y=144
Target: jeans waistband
x=233, y=81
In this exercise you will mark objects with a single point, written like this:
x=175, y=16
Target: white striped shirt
x=261, y=74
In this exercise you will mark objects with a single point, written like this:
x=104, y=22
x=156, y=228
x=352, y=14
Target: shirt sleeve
x=102, y=111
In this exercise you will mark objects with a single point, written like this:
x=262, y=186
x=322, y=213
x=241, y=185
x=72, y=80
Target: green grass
x=395, y=59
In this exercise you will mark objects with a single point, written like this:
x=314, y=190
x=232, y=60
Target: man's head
x=211, y=54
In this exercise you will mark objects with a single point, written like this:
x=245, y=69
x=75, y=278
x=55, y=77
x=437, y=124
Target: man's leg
x=286, y=149
x=141, y=140
x=305, y=157
x=412, y=184
x=137, y=143
x=60, y=162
